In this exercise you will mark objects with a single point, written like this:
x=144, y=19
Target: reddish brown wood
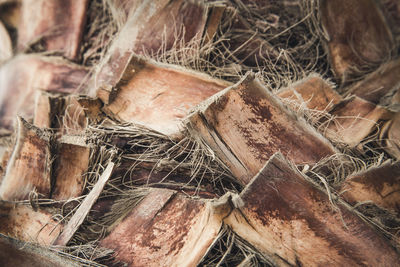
x=16, y=253
x=71, y=163
x=152, y=27
x=380, y=185
x=376, y=85
x=158, y=96
x=23, y=223
x=166, y=229
x=314, y=92
x=29, y=167
x=58, y=24
x=245, y=125
x=293, y=223
x=357, y=34
x=354, y=119
x=23, y=76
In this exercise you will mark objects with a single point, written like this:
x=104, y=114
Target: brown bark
x=378, y=84
x=29, y=167
x=71, y=163
x=174, y=230
x=157, y=95
x=58, y=24
x=357, y=35
x=245, y=125
x=23, y=76
x=314, y=92
x=293, y=224
x=380, y=185
x=16, y=253
x=23, y=223
x=354, y=119
x=151, y=26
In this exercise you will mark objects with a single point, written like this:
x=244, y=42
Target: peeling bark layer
x=245, y=125
x=58, y=25
x=23, y=223
x=29, y=167
x=380, y=185
x=292, y=223
x=152, y=27
x=357, y=33
x=16, y=253
x=354, y=119
x=71, y=164
x=158, y=96
x=384, y=81
x=390, y=136
x=166, y=229
x=22, y=77
x=314, y=92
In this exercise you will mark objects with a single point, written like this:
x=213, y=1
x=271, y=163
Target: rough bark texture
x=16, y=253
x=245, y=125
x=24, y=223
x=59, y=30
x=381, y=185
x=382, y=82
x=314, y=92
x=158, y=96
x=166, y=229
x=71, y=164
x=151, y=26
x=23, y=76
x=354, y=120
x=358, y=35
x=29, y=167
x=290, y=221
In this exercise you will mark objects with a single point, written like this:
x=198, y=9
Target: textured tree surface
x=199, y=133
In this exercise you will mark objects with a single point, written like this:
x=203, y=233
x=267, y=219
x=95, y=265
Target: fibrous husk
x=57, y=26
x=24, y=223
x=380, y=185
x=358, y=37
x=148, y=158
x=63, y=114
x=290, y=221
x=174, y=230
x=29, y=167
x=23, y=76
x=245, y=125
x=229, y=249
x=156, y=95
x=80, y=214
